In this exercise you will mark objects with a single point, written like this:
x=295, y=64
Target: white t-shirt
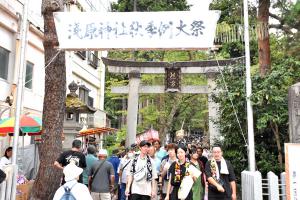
x=4, y=161
x=168, y=162
x=142, y=187
x=125, y=163
x=79, y=191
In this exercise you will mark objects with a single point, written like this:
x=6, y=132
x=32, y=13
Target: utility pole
x=251, y=148
x=23, y=33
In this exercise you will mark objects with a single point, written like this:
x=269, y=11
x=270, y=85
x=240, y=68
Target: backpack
x=68, y=194
x=2, y=176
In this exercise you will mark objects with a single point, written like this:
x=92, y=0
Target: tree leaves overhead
x=287, y=22
x=269, y=94
x=232, y=11
x=150, y=5
x=269, y=99
x=156, y=108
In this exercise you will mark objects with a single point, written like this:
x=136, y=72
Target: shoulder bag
x=97, y=171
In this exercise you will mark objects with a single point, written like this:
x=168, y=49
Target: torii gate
x=144, y=30
x=134, y=69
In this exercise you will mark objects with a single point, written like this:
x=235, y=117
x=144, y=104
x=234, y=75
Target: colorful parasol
x=2, y=134
x=28, y=124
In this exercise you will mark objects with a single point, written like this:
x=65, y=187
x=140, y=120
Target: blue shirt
x=157, y=163
x=90, y=159
x=160, y=154
x=115, y=161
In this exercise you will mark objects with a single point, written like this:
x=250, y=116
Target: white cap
x=71, y=171
x=103, y=152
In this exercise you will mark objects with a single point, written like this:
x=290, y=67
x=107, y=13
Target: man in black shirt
x=220, y=176
x=74, y=155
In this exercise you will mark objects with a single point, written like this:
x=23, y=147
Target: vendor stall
x=95, y=136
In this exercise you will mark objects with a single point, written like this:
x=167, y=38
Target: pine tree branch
x=283, y=24
x=285, y=28
x=281, y=20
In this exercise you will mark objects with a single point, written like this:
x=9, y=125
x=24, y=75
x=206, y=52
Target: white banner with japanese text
x=136, y=30
x=292, y=168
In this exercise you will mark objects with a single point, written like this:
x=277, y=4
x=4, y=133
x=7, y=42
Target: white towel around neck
x=224, y=169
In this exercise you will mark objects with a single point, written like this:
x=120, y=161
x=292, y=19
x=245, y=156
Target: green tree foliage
x=269, y=98
x=293, y=41
x=163, y=112
x=237, y=49
x=232, y=11
x=269, y=95
x=288, y=22
x=150, y=5
x=113, y=103
x=115, y=141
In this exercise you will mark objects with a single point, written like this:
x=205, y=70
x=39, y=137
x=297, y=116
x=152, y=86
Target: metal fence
x=254, y=187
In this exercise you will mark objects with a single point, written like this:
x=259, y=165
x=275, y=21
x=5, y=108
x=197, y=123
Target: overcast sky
x=199, y=4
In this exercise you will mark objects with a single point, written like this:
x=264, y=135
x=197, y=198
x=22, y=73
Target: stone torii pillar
x=213, y=109
x=133, y=106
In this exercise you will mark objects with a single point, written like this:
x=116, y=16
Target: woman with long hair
x=178, y=170
x=198, y=188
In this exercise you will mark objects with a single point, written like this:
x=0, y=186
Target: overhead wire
x=231, y=101
x=51, y=60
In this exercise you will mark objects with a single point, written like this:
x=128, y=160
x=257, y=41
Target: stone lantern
x=72, y=121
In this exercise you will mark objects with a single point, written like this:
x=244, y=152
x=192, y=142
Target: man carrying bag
x=141, y=175
x=101, y=177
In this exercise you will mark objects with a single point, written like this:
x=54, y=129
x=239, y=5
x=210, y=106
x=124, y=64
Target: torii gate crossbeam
x=135, y=69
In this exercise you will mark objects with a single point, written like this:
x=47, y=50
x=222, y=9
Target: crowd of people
x=146, y=171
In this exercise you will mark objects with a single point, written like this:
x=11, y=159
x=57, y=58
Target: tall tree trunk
x=170, y=119
x=190, y=54
x=48, y=177
x=263, y=37
x=275, y=130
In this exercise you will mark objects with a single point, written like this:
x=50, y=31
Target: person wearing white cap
x=78, y=190
x=101, y=177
